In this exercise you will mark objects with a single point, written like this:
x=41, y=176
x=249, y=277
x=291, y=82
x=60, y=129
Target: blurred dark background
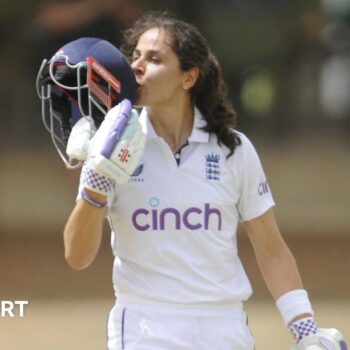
x=287, y=65
x=286, y=62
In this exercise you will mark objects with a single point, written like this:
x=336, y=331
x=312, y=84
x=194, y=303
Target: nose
x=137, y=66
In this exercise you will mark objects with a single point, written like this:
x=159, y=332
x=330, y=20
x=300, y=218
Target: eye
x=135, y=56
x=155, y=59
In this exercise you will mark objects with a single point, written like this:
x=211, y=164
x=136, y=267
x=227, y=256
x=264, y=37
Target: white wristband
x=293, y=304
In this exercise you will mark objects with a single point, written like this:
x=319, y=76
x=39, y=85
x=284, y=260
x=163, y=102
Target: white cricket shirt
x=174, y=226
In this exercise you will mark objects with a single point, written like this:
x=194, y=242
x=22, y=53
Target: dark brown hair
x=209, y=93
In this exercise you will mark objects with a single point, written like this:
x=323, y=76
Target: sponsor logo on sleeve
x=263, y=186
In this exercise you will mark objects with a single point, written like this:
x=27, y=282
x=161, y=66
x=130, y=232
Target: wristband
x=293, y=304
x=89, y=199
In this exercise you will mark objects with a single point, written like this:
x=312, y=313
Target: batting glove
x=309, y=337
x=96, y=182
x=117, y=147
x=78, y=141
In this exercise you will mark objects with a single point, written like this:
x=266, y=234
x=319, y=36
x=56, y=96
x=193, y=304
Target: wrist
x=96, y=199
x=293, y=304
x=95, y=196
x=300, y=317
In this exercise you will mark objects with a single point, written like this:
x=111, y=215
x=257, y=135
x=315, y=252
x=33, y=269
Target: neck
x=174, y=125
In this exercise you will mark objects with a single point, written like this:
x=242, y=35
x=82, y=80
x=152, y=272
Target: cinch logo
x=192, y=218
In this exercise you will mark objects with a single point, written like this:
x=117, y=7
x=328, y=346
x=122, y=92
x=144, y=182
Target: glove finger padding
x=123, y=159
x=79, y=138
x=325, y=339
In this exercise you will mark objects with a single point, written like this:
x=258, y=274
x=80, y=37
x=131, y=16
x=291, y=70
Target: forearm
x=282, y=278
x=277, y=266
x=82, y=234
x=280, y=272
x=281, y=275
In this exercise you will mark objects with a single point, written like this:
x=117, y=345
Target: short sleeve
x=255, y=194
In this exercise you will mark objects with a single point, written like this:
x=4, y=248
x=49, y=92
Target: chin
x=137, y=104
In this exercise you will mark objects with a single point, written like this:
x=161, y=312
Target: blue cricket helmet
x=107, y=55
x=84, y=78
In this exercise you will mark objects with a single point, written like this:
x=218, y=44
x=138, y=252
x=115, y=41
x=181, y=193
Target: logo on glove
x=124, y=155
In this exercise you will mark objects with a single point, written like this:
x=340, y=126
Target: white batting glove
x=79, y=139
x=96, y=182
x=117, y=147
x=309, y=337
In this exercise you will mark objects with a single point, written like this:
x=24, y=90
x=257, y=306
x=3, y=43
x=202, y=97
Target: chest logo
x=135, y=177
x=212, y=167
x=155, y=217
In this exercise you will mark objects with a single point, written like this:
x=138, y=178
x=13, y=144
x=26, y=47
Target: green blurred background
x=287, y=65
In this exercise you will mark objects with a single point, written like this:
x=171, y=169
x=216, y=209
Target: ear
x=190, y=78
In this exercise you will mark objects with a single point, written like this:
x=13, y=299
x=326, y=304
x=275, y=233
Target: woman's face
x=157, y=70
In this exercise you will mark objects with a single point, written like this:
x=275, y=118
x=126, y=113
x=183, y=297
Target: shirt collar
x=197, y=134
